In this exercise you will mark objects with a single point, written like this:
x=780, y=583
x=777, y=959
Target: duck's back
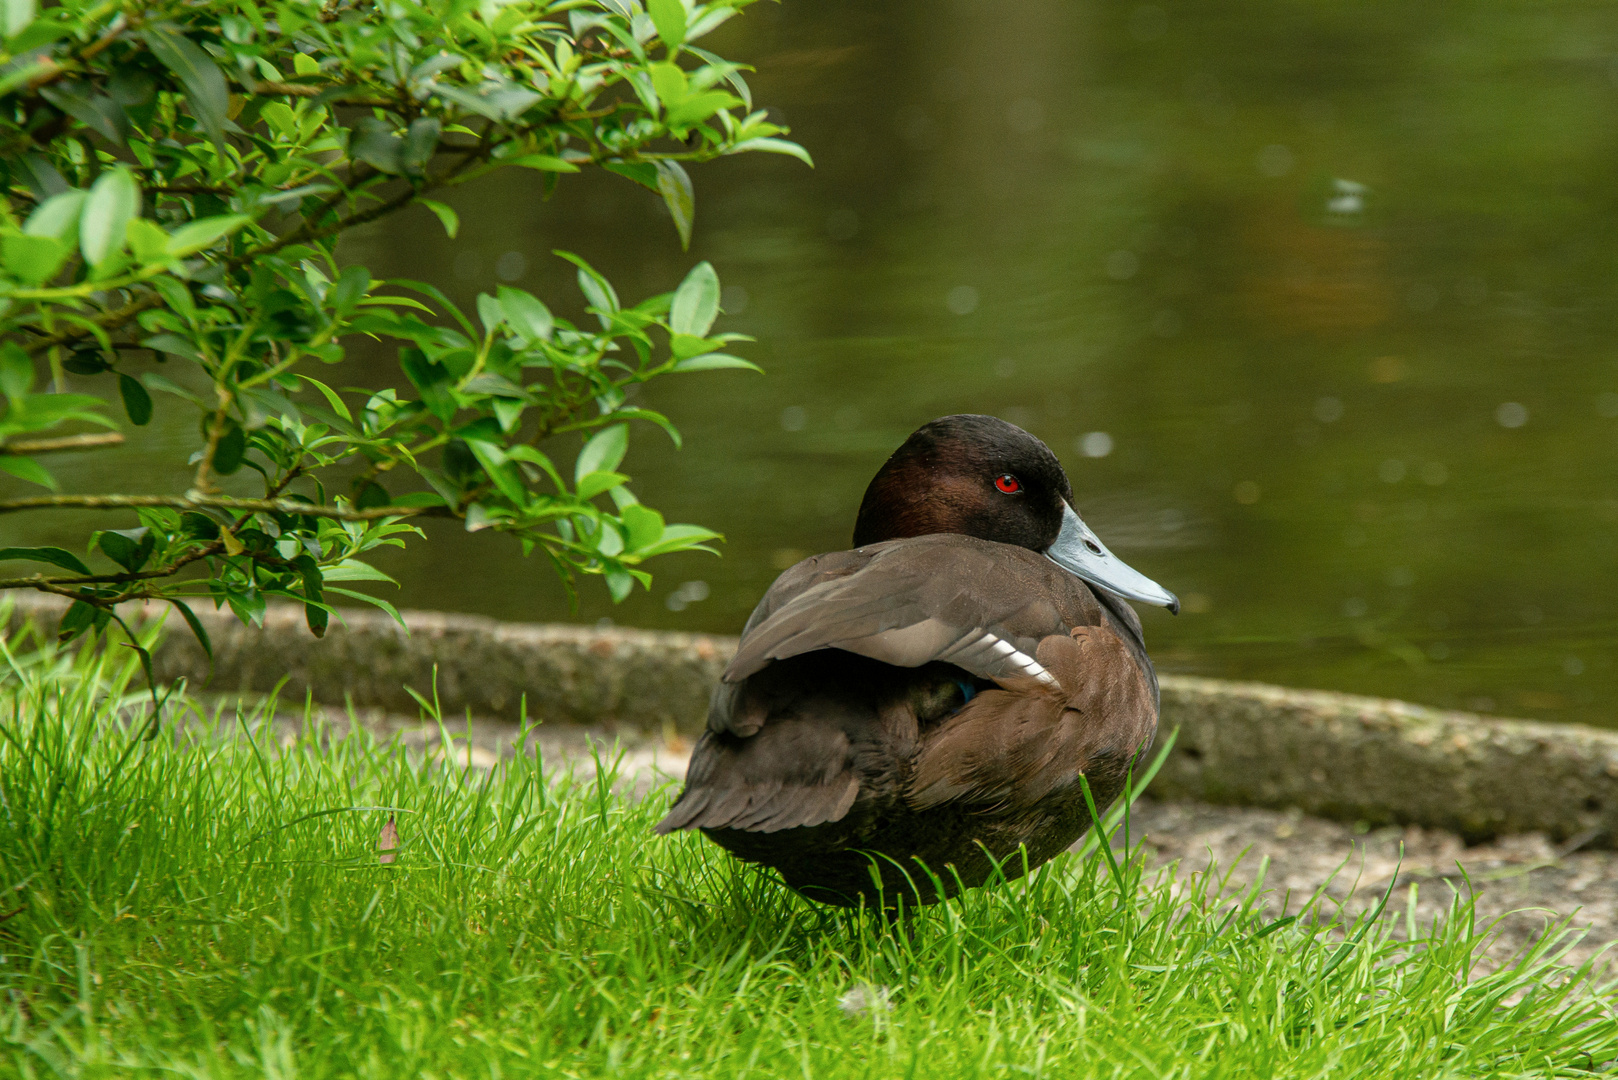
x=933, y=698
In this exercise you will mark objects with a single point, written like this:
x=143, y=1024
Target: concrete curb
x=1333, y=755
x=1388, y=762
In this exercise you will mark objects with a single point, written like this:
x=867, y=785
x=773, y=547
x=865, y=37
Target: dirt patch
x=1522, y=883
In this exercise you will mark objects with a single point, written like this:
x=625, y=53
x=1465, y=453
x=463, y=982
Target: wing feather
x=1011, y=748
x=908, y=603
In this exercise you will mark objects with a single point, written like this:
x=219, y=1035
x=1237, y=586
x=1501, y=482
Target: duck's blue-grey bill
x=1079, y=550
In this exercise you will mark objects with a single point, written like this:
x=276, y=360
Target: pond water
x=1315, y=302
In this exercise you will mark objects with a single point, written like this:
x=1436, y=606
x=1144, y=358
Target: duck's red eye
x=1008, y=483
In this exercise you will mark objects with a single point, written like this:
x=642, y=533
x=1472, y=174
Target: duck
x=913, y=716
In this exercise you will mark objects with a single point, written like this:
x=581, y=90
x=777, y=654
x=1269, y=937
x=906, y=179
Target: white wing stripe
x=991, y=652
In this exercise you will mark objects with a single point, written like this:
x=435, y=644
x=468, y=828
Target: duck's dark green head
x=982, y=477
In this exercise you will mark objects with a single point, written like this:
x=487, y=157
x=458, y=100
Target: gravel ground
x=1522, y=882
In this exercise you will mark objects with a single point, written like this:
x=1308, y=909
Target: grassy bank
x=216, y=906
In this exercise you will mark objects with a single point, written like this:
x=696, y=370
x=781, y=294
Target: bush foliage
x=177, y=179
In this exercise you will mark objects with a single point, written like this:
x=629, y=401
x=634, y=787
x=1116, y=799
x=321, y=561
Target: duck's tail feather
x=791, y=773
x=761, y=808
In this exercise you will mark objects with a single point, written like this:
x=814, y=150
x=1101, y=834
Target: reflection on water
x=1316, y=304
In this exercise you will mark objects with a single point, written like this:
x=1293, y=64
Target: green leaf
x=314, y=608
x=508, y=413
x=205, y=88
x=681, y=538
x=643, y=173
x=495, y=465
x=446, y=215
x=490, y=313
x=355, y=570
x=196, y=235
x=597, y=289
x=79, y=618
x=502, y=101
x=174, y=345
x=148, y=241
x=593, y=484
x=28, y=469
x=57, y=216
x=34, y=170
x=337, y=404
x=129, y=548
x=196, y=626
x=714, y=361
x=33, y=260
x=542, y=162
x=715, y=16
x=670, y=84
x=669, y=18
x=232, y=448
x=200, y=525
x=535, y=457
x=371, y=494
x=351, y=286
x=378, y=601
x=98, y=112
x=44, y=410
x=674, y=184
x=85, y=361
x=603, y=452
x=696, y=302
x=18, y=14
x=16, y=371
x=652, y=417
x=420, y=142
x=177, y=295
x=619, y=584
x=526, y=314
x=39, y=32
x=499, y=386
x=137, y=402
x=699, y=107
x=684, y=345
x=316, y=617
x=374, y=143
x=248, y=607
x=773, y=146
x=644, y=525
x=54, y=555
x=104, y=225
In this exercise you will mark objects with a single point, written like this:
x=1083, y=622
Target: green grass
x=214, y=906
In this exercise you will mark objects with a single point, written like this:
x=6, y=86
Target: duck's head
x=983, y=477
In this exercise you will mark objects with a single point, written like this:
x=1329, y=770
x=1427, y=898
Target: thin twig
x=111, y=320
x=193, y=500
x=311, y=231
x=93, y=441
x=189, y=189
x=303, y=90
x=114, y=29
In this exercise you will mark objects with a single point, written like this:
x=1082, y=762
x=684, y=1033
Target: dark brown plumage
x=928, y=700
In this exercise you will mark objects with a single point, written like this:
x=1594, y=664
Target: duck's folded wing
x=980, y=606
x=1012, y=749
